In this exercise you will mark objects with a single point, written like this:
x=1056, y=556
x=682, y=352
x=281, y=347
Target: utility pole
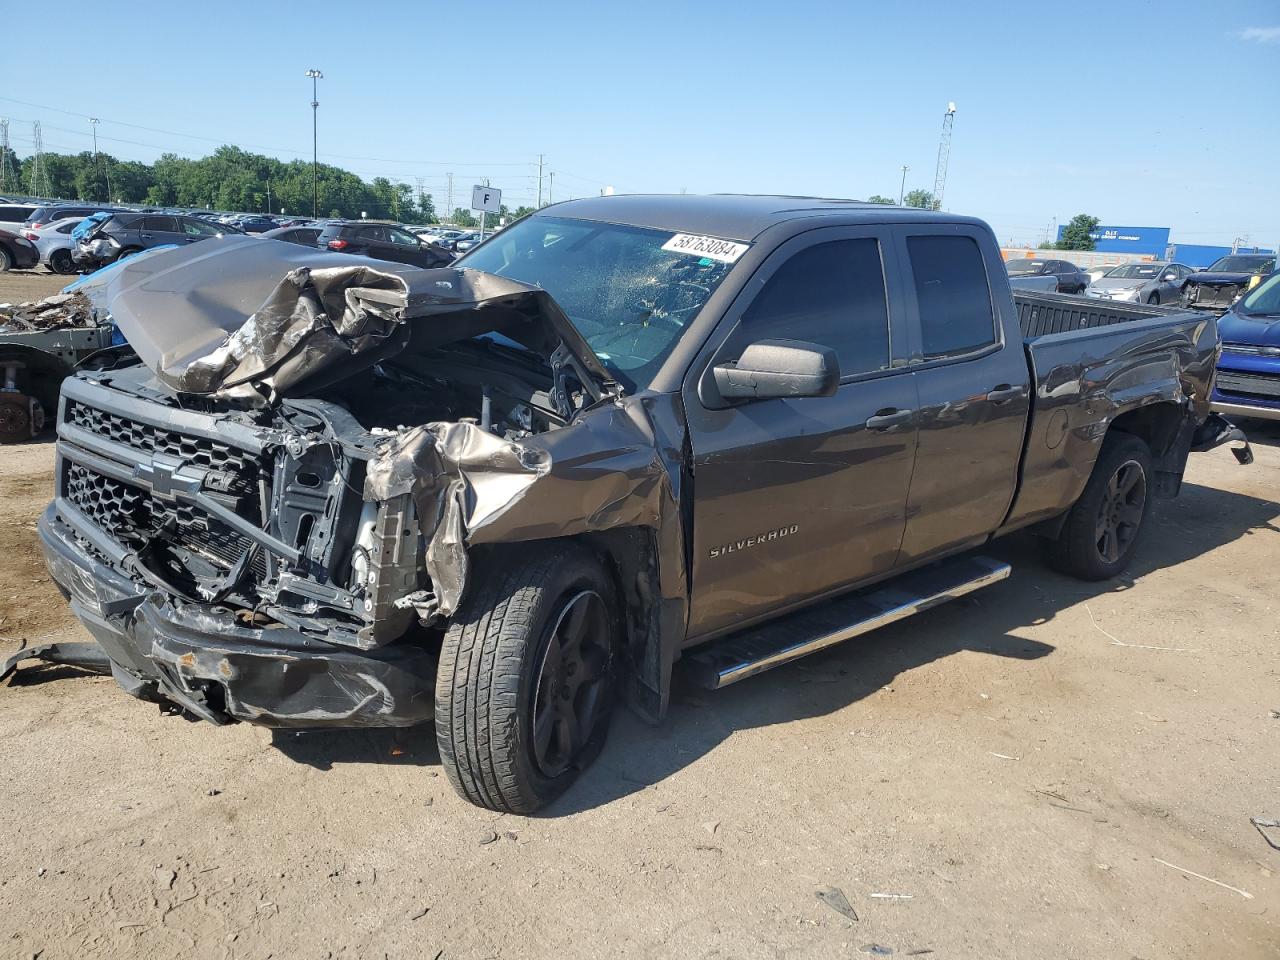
x=902, y=190
x=944, y=156
x=315, y=75
x=39, y=176
x=4, y=154
x=551, y=186
x=539, y=181
x=448, y=209
x=268, y=198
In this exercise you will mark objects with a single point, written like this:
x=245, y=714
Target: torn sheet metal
x=242, y=318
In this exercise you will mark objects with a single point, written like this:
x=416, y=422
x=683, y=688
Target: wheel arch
x=1166, y=429
x=630, y=557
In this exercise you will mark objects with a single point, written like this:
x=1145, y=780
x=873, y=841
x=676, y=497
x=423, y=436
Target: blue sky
x=1160, y=114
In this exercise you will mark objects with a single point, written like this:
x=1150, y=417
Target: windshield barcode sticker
x=726, y=251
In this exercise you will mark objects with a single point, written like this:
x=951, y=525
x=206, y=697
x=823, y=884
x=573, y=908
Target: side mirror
x=1169, y=278
x=772, y=369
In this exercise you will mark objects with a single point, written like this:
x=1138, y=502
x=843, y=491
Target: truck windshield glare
x=628, y=296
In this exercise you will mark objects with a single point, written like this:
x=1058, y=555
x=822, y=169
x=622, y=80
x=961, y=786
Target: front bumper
x=201, y=658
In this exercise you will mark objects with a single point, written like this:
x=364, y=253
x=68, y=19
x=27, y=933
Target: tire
x=509, y=681
x=127, y=252
x=60, y=262
x=1102, y=530
x=1154, y=299
x=6, y=260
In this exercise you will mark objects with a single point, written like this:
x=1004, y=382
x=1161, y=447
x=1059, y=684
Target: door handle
x=888, y=418
x=1004, y=393
x=145, y=236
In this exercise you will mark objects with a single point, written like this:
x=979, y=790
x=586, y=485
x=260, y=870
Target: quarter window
x=952, y=295
x=831, y=294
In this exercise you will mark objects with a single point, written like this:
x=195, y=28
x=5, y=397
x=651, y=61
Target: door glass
x=400, y=238
x=831, y=294
x=952, y=294
x=158, y=224
x=373, y=235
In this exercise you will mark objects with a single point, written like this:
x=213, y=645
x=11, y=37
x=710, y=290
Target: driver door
x=799, y=497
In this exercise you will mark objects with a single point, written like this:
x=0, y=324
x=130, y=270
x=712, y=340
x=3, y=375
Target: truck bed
x=1045, y=314
x=1092, y=361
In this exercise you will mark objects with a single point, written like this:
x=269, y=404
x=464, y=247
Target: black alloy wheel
x=572, y=692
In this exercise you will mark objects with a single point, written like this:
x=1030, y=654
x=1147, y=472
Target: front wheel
x=1101, y=531
x=1154, y=299
x=6, y=261
x=526, y=683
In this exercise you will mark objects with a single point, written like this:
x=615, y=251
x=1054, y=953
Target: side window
x=196, y=228
x=401, y=238
x=158, y=224
x=830, y=294
x=68, y=226
x=373, y=235
x=952, y=294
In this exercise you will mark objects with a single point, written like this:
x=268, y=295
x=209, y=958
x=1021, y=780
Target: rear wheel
x=6, y=260
x=1101, y=531
x=60, y=262
x=526, y=683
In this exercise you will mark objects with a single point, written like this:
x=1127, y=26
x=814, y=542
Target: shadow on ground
x=638, y=755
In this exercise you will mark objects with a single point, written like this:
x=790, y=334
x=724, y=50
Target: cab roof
x=733, y=216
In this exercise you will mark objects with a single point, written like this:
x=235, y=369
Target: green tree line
x=229, y=179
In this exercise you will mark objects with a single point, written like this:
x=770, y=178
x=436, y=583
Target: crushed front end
x=227, y=561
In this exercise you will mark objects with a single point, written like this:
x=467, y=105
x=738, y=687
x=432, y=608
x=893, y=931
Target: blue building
x=1154, y=242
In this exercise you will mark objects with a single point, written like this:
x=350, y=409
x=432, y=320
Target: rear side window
x=952, y=294
x=373, y=235
x=831, y=294
x=162, y=224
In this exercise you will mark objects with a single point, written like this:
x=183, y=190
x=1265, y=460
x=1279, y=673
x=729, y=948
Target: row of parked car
x=69, y=237
x=1152, y=282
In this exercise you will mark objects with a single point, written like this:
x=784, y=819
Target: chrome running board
x=757, y=649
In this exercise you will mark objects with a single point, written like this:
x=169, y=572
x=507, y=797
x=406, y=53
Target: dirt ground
x=19, y=286
x=1038, y=771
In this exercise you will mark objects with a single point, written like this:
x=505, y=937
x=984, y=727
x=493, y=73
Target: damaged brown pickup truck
x=625, y=432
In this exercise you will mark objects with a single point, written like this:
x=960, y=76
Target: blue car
x=1248, y=381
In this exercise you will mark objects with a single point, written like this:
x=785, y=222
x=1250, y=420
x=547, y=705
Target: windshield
x=1024, y=265
x=629, y=298
x=1264, y=299
x=1243, y=265
x=1136, y=271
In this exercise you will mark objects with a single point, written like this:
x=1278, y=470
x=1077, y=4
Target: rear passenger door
x=974, y=391
x=794, y=498
x=373, y=242
x=155, y=230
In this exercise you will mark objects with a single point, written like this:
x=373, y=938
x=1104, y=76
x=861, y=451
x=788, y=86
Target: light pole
x=315, y=106
x=903, y=189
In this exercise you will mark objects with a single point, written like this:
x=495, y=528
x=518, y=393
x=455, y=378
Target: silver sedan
x=1155, y=282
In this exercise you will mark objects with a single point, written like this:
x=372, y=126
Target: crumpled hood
x=1205, y=276
x=252, y=320
x=1254, y=331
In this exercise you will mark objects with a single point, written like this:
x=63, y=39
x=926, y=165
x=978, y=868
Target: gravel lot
x=1037, y=771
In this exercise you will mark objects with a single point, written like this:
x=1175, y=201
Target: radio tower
x=39, y=175
x=4, y=156
x=944, y=154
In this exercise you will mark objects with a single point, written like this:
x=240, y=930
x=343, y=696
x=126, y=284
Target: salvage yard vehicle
x=1027, y=273
x=1248, y=381
x=121, y=235
x=625, y=432
x=53, y=242
x=1152, y=282
x=17, y=251
x=1226, y=281
x=381, y=241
